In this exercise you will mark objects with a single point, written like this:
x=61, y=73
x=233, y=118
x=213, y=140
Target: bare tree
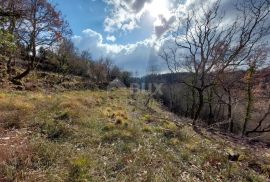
x=226, y=92
x=262, y=126
x=206, y=47
x=255, y=61
x=42, y=26
x=173, y=61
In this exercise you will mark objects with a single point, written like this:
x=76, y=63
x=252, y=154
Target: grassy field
x=100, y=136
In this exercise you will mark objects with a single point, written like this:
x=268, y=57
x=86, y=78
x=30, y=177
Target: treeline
x=219, y=68
x=67, y=60
x=35, y=35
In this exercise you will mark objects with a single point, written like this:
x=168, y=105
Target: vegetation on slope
x=100, y=136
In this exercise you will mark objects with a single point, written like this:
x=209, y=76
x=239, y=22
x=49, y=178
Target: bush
x=11, y=120
x=55, y=130
x=78, y=169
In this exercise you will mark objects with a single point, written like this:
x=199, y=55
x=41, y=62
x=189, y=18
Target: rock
x=5, y=138
x=30, y=86
x=116, y=83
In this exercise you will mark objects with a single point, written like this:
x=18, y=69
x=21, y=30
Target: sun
x=158, y=8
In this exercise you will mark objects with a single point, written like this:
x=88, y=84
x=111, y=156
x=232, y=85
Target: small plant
x=185, y=155
x=11, y=120
x=78, y=170
x=182, y=135
x=107, y=112
x=147, y=118
x=170, y=125
x=118, y=121
x=174, y=141
x=55, y=130
x=147, y=129
x=62, y=116
x=115, y=135
x=108, y=127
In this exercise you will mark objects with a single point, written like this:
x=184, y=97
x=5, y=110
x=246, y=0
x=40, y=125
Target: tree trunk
x=210, y=105
x=171, y=98
x=187, y=108
x=22, y=75
x=251, y=72
x=210, y=115
x=9, y=65
x=192, y=111
x=33, y=57
x=229, y=114
x=200, y=107
x=27, y=71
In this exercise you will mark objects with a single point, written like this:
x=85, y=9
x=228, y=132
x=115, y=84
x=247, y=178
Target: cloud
x=123, y=14
x=130, y=57
x=111, y=38
x=126, y=15
x=165, y=26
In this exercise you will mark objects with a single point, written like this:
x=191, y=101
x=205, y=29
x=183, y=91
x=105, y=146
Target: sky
x=129, y=32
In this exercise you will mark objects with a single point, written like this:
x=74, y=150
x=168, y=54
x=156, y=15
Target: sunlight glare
x=158, y=7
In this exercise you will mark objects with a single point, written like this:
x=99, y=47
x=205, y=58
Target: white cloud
x=120, y=19
x=111, y=38
x=126, y=15
x=131, y=57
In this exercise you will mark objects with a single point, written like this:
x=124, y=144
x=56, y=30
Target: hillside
x=112, y=136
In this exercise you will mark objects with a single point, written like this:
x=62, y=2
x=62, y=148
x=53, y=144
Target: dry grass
x=96, y=136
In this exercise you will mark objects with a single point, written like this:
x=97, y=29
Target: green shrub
x=55, y=130
x=79, y=170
